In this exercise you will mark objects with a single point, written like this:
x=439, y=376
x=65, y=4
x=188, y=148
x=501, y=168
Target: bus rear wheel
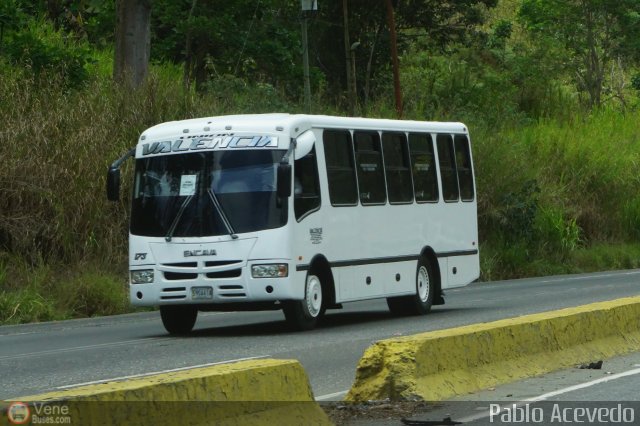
x=177, y=319
x=420, y=303
x=304, y=314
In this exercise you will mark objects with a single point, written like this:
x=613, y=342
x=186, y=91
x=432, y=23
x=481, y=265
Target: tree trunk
x=351, y=89
x=394, y=58
x=595, y=65
x=367, y=78
x=188, y=60
x=133, y=41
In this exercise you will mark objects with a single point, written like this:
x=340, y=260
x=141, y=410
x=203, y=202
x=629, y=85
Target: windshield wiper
x=177, y=219
x=218, y=207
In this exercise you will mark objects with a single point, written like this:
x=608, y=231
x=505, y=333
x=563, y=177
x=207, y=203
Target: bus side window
x=463, y=163
x=370, y=172
x=423, y=167
x=341, y=171
x=306, y=190
x=397, y=168
x=448, y=173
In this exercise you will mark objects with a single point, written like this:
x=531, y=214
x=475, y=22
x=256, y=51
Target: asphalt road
x=43, y=357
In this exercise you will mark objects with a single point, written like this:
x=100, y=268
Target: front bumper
x=230, y=282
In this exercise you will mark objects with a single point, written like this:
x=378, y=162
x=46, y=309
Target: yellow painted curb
x=254, y=392
x=440, y=364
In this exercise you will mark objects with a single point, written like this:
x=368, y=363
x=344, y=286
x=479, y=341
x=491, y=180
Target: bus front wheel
x=304, y=314
x=178, y=319
x=420, y=303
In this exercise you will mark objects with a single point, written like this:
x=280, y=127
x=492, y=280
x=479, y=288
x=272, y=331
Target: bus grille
x=182, y=265
x=174, y=276
x=221, y=262
x=232, y=273
x=190, y=270
x=231, y=291
x=173, y=293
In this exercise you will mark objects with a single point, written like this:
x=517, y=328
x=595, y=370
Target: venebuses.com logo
x=18, y=413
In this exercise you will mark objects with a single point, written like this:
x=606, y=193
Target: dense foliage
x=550, y=91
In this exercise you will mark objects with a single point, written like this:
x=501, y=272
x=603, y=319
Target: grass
x=498, y=262
x=55, y=291
x=554, y=196
x=583, y=213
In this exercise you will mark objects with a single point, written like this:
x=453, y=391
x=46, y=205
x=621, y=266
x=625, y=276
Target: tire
x=420, y=303
x=425, y=288
x=178, y=320
x=304, y=314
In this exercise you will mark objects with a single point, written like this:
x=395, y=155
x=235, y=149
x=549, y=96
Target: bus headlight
x=142, y=276
x=274, y=270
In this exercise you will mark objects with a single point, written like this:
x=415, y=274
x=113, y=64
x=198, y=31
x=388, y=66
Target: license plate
x=199, y=293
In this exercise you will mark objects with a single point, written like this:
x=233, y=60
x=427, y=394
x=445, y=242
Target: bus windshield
x=194, y=194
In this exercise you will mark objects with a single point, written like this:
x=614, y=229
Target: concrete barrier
x=440, y=364
x=254, y=392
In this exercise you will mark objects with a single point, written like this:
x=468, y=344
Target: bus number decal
x=316, y=235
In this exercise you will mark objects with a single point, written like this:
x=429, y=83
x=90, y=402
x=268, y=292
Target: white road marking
x=517, y=282
x=209, y=314
x=79, y=348
x=590, y=277
x=331, y=396
x=548, y=395
x=584, y=385
x=133, y=376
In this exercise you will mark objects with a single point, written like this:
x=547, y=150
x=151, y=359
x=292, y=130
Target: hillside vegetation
x=557, y=164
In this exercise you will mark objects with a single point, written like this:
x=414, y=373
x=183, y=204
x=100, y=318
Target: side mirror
x=304, y=144
x=113, y=184
x=284, y=180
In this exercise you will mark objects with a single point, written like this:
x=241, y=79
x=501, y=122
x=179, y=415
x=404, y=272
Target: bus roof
x=292, y=124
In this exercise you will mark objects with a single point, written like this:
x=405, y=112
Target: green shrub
x=92, y=293
x=26, y=305
x=602, y=257
x=631, y=217
x=518, y=212
x=555, y=232
x=47, y=51
x=51, y=291
x=235, y=95
x=24, y=292
x=635, y=82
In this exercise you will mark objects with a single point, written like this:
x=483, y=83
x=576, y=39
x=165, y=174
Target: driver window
x=306, y=188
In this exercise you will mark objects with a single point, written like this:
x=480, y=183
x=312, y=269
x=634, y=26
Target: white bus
x=298, y=212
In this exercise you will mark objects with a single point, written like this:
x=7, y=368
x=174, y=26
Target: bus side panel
x=375, y=281
x=461, y=271
x=399, y=278
x=344, y=289
x=443, y=263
